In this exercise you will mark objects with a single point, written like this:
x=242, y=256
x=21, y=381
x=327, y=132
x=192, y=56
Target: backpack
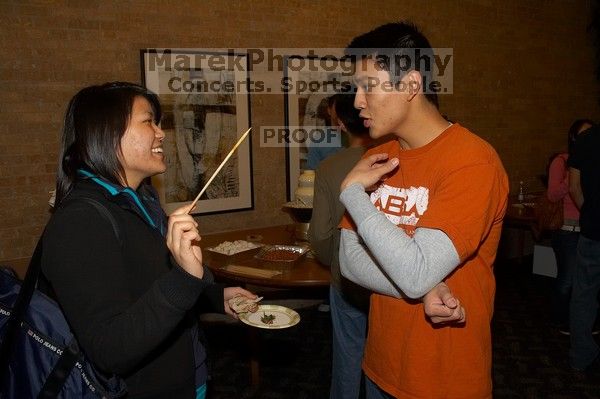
x=548, y=214
x=39, y=355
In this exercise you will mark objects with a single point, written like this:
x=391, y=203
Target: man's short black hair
x=390, y=46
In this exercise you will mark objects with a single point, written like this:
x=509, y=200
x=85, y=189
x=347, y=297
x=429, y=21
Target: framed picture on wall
x=308, y=84
x=205, y=109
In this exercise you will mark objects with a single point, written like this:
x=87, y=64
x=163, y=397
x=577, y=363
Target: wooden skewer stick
x=219, y=168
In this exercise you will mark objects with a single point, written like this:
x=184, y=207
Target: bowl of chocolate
x=287, y=254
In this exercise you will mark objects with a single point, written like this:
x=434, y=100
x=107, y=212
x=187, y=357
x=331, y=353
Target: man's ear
x=342, y=126
x=414, y=82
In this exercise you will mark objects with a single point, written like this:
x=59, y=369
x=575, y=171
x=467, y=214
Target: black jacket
x=585, y=159
x=129, y=305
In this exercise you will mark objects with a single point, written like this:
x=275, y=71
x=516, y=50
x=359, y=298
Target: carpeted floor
x=530, y=356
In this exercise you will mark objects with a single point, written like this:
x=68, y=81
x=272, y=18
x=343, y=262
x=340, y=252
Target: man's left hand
x=442, y=307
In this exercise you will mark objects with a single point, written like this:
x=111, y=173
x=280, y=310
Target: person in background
x=564, y=241
x=584, y=183
x=438, y=195
x=332, y=138
x=130, y=300
x=349, y=302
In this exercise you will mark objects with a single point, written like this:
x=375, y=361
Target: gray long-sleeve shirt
x=327, y=211
x=383, y=258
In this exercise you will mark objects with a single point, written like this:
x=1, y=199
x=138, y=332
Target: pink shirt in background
x=558, y=187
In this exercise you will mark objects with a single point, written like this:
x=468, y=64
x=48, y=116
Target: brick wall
x=523, y=72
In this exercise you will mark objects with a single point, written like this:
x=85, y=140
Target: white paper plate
x=284, y=317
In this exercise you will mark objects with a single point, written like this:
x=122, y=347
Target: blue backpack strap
x=18, y=311
x=61, y=371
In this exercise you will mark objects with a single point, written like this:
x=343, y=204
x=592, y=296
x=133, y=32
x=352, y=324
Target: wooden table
x=522, y=218
x=306, y=273
x=518, y=215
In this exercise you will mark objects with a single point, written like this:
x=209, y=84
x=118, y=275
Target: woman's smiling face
x=141, y=145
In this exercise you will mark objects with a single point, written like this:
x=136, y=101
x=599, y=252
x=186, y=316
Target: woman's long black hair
x=574, y=132
x=96, y=119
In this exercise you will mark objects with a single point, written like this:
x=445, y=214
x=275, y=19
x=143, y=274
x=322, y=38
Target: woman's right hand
x=183, y=239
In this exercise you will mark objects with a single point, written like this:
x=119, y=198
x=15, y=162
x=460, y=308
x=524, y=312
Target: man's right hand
x=370, y=171
x=442, y=307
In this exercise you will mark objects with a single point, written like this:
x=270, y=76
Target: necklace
x=447, y=127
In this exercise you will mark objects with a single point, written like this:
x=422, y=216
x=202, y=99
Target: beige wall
x=523, y=71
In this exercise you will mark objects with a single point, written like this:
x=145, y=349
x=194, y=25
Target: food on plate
x=267, y=318
x=233, y=247
x=271, y=317
x=241, y=304
x=280, y=254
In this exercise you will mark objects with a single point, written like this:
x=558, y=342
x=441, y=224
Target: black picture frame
x=206, y=108
x=307, y=104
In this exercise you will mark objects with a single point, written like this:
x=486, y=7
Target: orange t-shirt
x=456, y=184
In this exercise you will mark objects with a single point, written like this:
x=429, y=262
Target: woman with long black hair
x=129, y=298
x=564, y=240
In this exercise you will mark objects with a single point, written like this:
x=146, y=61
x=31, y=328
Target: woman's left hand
x=230, y=292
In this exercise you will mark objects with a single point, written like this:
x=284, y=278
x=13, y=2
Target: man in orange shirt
x=438, y=197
